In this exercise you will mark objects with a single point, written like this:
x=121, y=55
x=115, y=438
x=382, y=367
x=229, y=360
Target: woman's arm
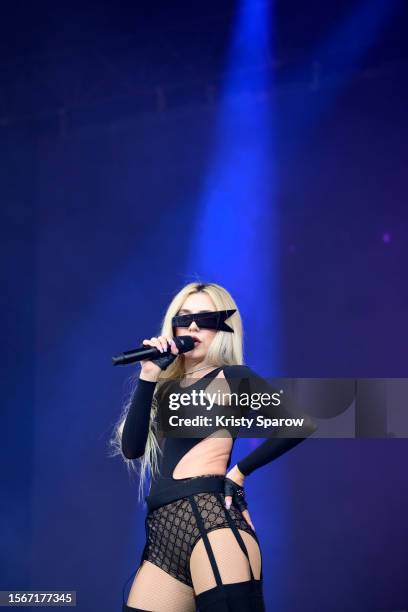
x=136, y=427
x=266, y=452
x=272, y=448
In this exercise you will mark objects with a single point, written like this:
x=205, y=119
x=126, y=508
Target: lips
x=197, y=341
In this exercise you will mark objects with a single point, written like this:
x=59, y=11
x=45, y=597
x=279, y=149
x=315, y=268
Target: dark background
x=107, y=113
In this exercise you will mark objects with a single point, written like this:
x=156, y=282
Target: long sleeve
x=240, y=377
x=266, y=452
x=136, y=427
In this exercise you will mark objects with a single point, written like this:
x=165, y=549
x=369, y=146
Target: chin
x=198, y=353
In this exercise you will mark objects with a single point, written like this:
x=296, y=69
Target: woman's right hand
x=151, y=371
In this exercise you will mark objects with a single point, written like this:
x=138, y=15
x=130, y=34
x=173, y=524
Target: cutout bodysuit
x=181, y=511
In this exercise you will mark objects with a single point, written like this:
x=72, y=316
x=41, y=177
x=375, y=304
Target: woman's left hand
x=238, y=478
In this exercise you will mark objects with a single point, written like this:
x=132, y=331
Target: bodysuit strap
x=199, y=381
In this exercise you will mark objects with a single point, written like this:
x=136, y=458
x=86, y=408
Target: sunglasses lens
x=209, y=321
x=182, y=321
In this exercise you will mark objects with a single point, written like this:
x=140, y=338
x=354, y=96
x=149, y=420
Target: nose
x=193, y=326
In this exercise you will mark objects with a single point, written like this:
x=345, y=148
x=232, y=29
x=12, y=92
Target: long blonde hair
x=225, y=349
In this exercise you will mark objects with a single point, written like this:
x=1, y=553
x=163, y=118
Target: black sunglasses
x=206, y=320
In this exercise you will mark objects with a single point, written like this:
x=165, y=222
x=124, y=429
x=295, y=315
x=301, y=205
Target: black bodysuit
x=240, y=379
x=181, y=511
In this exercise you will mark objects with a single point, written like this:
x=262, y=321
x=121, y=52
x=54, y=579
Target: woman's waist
x=165, y=490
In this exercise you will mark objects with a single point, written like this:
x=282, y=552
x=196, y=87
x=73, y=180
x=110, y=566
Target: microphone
x=183, y=343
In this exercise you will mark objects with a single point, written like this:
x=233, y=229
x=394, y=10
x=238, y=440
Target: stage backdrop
x=100, y=226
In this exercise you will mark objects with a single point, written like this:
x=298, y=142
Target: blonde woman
x=201, y=552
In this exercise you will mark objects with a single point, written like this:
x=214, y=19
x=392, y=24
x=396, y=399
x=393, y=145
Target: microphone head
x=184, y=343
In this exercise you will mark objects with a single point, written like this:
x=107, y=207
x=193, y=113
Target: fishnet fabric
x=173, y=532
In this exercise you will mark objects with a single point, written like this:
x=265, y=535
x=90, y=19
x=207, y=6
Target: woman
x=201, y=549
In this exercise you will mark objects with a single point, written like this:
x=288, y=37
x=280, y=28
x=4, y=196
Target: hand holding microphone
x=151, y=368
x=156, y=354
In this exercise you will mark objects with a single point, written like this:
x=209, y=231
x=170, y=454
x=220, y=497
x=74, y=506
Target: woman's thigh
x=155, y=590
x=231, y=561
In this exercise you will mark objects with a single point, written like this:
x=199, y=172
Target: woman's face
x=194, y=303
